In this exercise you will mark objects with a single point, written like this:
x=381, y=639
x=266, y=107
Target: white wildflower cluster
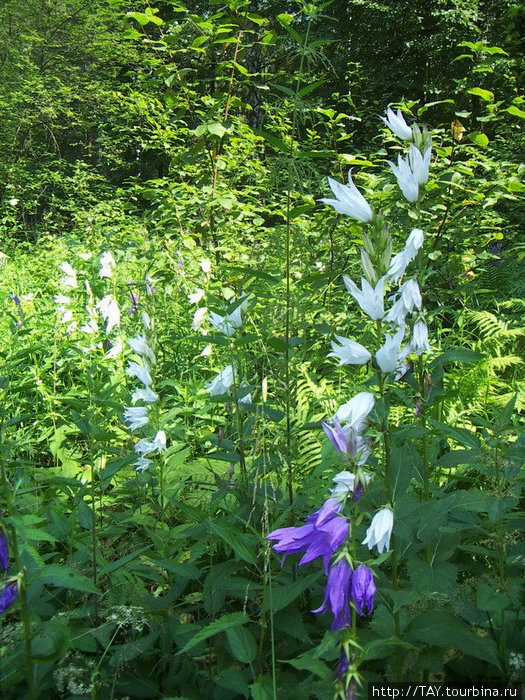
x=106, y=308
x=138, y=417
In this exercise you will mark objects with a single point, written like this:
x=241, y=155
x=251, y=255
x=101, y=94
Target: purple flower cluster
x=324, y=532
x=10, y=589
x=4, y=551
x=344, y=585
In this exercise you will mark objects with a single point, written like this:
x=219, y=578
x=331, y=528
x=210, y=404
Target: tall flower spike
x=348, y=200
x=349, y=352
x=397, y=124
x=370, y=299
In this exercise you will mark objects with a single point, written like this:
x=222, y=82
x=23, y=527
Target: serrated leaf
x=235, y=539
x=63, y=576
x=242, y=644
x=308, y=662
x=224, y=623
x=113, y=566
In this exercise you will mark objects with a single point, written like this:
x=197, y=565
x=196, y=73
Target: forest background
x=192, y=142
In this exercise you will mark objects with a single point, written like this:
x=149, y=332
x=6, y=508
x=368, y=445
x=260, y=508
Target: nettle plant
x=392, y=494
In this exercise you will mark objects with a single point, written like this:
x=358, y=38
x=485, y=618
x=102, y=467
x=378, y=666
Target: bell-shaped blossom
x=419, y=164
x=407, y=181
x=4, y=550
x=136, y=416
x=222, y=382
x=198, y=318
x=419, y=343
x=106, y=264
x=159, y=441
x=401, y=260
x=145, y=394
x=411, y=295
x=363, y=589
x=60, y=299
x=142, y=464
x=144, y=447
x=70, y=276
x=115, y=350
x=355, y=411
x=370, y=299
x=397, y=124
x=206, y=266
x=349, y=352
x=345, y=483
x=226, y=324
x=380, y=530
x=337, y=594
x=196, y=296
x=324, y=532
x=91, y=327
x=8, y=594
x=387, y=356
x=109, y=311
x=348, y=200
x=206, y=351
x=140, y=372
x=139, y=344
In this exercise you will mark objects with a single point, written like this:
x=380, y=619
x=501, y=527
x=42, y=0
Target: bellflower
x=145, y=394
x=419, y=343
x=222, y=382
x=198, y=318
x=348, y=200
x=337, y=594
x=136, y=417
x=106, y=263
x=387, y=356
x=370, y=299
x=401, y=260
x=115, y=350
x=70, y=275
x=349, y=352
x=144, y=447
x=345, y=483
x=407, y=181
x=140, y=372
x=142, y=464
x=419, y=163
x=363, y=589
x=4, y=551
x=109, y=311
x=355, y=411
x=337, y=437
x=197, y=295
x=206, y=266
x=323, y=534
x=380, y=530
x=8, y=595
x=347, y=441
x=159, y=441
x=411, y=295
x=140, y=345
x=397, y=124
x=226, y=324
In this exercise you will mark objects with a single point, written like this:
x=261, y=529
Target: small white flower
x=397, y=124
x=206, y=351
x=13, y=202
x=348, y=200
x=355, y=411
x=369, y=299
x=115, y=350
x=345, y=482
x=411, y=295
x=140, y=372
x=159, y=441
x=109, y=311
x=226, y=324
x=67, y=315
x=145, y=394
x=136, y=416
x=70, y=278
x=419, y=342
x=419, y=163
x=139, y=345
x=380, y=530
x=206, y=266
x=222, y=382
x=71, y=328
x=85, y=256
x=387, y=356
x=349, y=352
x=142, y=464
x=144, y=447
x=401, y=260
x=397, y=313
x=407, y=181
x=146, y=321
x=198, y=318
x=61, y=299
x=106, y=263
x=197, y=295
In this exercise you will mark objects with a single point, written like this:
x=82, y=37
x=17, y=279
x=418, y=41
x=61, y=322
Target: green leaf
x=63, y=576
x=460, y=435
x=479, y=139
x=242, y=644
x=110, y=568
x=235, y=539
x=262, y=689
x=516, y=112
x=217, y=129
x=224, y=623
x=308, y=662
x=457, y=355
x=310, y=88
x=278, y=597
x=486, y=95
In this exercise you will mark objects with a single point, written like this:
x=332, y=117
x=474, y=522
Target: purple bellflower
x=324, y=532
x=337, y=594
x=4, y=551
x=8, y=594
x=363, y=589
x=14, y=298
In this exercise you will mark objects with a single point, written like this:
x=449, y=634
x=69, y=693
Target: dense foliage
x=170, y=288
